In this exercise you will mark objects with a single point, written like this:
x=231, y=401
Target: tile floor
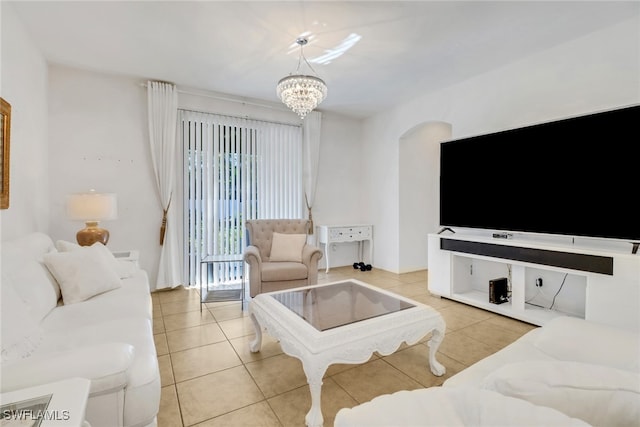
x=210, y=378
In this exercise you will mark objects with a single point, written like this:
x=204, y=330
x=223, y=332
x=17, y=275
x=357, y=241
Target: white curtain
x=311, y=157
x=162, y=101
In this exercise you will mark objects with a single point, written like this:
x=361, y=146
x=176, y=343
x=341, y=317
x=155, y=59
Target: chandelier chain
x=301, y=57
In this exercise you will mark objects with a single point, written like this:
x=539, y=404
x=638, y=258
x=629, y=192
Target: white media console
x=601, y=284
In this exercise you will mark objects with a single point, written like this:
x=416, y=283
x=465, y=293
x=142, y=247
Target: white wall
x=99, y=139
x=418, y=210
x=595, y=72
x=23, y=84
x=339, y=192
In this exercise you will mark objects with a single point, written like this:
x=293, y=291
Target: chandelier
x=300, y=92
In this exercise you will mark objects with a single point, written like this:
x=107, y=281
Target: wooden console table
x=328, y=234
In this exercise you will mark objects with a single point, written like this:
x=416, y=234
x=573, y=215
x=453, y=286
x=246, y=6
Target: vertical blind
x=235, y=169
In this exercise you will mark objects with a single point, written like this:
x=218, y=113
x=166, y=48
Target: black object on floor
x=362, y=266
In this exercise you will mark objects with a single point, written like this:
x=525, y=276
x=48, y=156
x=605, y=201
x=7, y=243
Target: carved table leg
x=314, y=378
x=436, y=339
x=256, y=343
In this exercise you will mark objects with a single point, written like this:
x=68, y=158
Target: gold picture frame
x=5, y=133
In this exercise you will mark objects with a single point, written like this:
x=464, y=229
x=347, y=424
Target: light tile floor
x=210, y=378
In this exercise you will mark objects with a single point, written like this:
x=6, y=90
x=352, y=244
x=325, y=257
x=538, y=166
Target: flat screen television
x=577, y=177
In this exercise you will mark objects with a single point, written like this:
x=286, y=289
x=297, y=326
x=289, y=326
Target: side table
x=217, y=295
x=62, y=403
x=131, y=256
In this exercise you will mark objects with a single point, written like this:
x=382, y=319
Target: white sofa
x=68, y=312
x=568, y=372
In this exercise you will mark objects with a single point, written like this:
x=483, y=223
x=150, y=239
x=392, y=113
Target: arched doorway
x=419, y=171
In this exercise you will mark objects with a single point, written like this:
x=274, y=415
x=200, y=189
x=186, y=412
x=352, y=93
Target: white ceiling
x=244, y=47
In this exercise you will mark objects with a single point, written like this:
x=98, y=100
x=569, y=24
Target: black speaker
x=498, y=289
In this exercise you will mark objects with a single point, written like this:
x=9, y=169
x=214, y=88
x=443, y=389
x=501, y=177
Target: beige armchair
x=276, y=271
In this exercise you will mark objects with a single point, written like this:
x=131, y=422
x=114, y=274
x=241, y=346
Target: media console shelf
x=598, y=284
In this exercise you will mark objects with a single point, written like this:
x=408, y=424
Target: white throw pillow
x=599, y=395
x=21, y=335
x=123, y=269
x=578, y=340
x=287, y=247
x=82, y=274
x=64, y=246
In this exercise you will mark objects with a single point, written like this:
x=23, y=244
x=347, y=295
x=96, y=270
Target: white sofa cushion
x=520, y=349
x=287, y=247
x=597, y=394
x=132, y=299
x=33, y=283
x=105, y=364
x=22, y=268
x=28, y=247
x=578, y=340
x=82, y=274
x=21, y=335
x=454, y=406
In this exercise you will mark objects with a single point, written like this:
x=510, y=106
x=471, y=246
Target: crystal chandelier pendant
x=301, y=93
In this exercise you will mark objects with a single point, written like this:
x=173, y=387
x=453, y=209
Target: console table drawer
x=348, y=234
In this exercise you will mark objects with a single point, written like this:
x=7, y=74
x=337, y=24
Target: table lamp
x=92, y=207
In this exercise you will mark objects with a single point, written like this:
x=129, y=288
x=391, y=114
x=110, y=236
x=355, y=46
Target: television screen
x=577, y=177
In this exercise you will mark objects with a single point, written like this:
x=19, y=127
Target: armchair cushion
x=287, y=247
x=279, y=271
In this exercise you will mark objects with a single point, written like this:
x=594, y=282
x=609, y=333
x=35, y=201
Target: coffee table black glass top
x=327, y=307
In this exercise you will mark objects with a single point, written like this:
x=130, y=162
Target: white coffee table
x=342, y=322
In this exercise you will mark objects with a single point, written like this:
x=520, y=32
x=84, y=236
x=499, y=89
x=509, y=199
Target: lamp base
x=92, y=234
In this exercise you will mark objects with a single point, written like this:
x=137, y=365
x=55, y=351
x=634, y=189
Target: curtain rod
x=298, y=125
x=222, y=98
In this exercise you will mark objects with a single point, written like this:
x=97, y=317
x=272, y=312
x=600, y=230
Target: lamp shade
x=92, y=206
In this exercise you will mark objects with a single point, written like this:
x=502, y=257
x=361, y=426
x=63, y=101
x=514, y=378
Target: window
x=235, y=169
